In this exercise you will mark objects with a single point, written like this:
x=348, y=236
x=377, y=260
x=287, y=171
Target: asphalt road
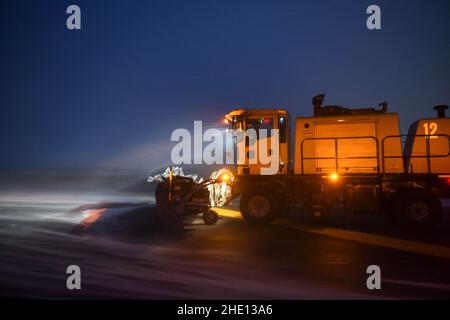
x=124, y=252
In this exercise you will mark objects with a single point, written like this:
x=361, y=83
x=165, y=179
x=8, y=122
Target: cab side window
x=282, y=126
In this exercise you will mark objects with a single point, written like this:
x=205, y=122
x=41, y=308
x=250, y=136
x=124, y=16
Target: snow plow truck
x=352, y=157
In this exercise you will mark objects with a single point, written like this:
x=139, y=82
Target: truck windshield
x=261, y=124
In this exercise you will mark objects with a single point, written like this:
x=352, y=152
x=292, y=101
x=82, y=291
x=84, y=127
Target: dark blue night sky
x=111, y=93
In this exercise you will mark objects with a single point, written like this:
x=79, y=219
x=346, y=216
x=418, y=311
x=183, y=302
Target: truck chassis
x=411, y=199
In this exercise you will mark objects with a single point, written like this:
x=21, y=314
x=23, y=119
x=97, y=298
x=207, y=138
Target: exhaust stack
x=440, y=110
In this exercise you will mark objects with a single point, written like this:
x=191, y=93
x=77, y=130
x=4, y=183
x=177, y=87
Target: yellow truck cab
x=267, y=120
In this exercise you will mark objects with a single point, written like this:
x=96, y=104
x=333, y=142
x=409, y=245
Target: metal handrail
x=428, y=156
x=336, y=151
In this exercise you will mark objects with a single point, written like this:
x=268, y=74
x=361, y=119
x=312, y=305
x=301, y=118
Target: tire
x=258, y=207
x=210, y=217
x=418, y=210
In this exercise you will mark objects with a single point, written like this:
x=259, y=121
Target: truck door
x=260, y=143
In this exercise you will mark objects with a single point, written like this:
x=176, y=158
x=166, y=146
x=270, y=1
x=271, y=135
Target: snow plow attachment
x=180, y=199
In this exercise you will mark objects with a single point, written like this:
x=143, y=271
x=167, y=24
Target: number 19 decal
x=431, y=129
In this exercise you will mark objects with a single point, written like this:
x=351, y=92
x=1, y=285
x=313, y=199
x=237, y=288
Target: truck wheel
x=258, y=207
x=419, y=210
x=210, y=217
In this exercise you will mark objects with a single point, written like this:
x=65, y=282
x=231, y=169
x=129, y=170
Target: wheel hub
x=419, y=211
x=259, y=206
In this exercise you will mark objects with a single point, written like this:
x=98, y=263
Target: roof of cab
x=254, y=112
